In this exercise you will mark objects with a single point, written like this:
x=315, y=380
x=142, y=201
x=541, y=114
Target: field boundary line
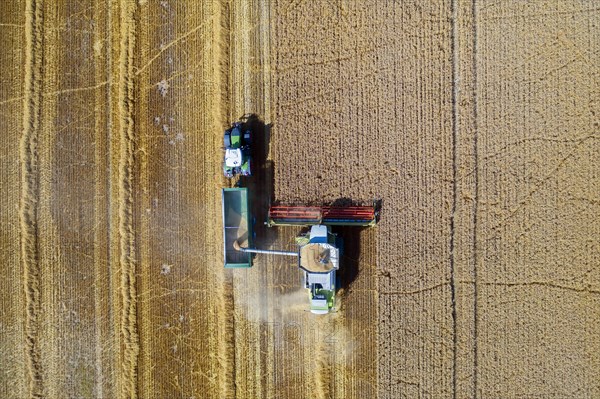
x=30, y=186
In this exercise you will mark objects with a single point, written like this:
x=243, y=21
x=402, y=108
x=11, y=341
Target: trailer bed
x=237, y=226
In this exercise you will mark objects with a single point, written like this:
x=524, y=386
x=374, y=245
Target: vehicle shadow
x=350, y=258
x=261, y=184
x=350, y=264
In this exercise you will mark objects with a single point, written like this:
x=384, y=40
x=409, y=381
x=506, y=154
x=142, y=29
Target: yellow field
x=476, y=123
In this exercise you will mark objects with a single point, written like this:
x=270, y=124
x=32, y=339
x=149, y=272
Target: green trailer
x=237, y=227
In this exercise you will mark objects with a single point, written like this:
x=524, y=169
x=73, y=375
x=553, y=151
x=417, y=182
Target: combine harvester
x=319, y=250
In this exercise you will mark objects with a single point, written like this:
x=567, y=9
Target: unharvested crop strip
x=539, y=185
x=126, y=139
x=30, y=191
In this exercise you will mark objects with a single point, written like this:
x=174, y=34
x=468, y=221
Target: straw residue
x=30, y=191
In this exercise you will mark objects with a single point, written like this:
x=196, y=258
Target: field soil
x=475, y=124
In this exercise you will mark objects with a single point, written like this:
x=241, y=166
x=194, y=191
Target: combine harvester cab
x=237, y=227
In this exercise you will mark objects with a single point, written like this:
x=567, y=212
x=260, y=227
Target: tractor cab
x=237, y=141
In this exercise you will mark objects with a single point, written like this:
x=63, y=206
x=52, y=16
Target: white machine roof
x=233, y=157
x=319, y=233
x=324, y=279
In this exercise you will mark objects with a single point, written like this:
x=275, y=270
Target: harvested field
x=475, y=123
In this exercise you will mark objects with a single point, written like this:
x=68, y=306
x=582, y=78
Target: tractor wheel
x=227, y=171
x=227, y=140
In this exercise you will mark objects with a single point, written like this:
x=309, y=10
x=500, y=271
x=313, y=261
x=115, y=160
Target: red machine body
x=327, y=215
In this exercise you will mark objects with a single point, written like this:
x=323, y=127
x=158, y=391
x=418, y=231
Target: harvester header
x=280, y=215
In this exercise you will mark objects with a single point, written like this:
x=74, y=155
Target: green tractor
x=237, y=141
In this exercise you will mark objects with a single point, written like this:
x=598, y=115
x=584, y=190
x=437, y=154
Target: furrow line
x=454, y=38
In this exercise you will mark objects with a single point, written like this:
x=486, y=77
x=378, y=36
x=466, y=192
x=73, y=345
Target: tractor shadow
x=262, y=182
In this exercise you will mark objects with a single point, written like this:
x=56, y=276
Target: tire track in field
x=30, y=191
x=126, y=137
x=454, y=50
x=464, y=198
x=475, y=200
